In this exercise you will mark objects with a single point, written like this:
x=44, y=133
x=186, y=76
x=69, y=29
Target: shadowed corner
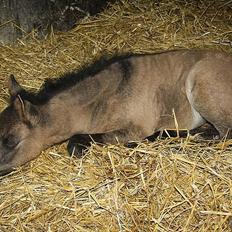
x=6, y=172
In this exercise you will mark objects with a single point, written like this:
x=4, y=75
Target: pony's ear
x=28, y=113
x=14, y=87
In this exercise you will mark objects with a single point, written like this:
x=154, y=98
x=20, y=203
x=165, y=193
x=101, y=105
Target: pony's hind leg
x=210, y=92
x=217, y=110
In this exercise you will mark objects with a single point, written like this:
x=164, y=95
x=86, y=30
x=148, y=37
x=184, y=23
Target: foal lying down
x=123, y=98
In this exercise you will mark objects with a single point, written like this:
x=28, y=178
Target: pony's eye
x=10, y=141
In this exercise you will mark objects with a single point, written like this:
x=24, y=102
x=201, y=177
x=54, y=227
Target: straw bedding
x=172, y=184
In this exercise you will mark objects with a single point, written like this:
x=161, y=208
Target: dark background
x=19, y=17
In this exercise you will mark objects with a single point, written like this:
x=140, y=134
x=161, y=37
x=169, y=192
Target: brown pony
x=122, y=98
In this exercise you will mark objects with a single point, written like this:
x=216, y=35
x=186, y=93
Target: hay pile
x=172, y=184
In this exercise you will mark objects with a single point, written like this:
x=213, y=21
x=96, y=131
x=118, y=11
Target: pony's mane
x=51, y=87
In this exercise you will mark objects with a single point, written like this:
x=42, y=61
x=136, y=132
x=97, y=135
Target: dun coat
x=122, y=99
